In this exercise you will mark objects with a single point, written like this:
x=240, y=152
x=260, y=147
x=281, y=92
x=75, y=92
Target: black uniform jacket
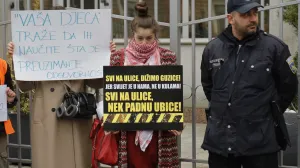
x=240, y=79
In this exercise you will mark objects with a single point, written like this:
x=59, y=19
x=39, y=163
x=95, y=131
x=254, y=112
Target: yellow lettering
x=107, y=96
x=131, y=78
x=167, y=106
x=109, y=78
x=124, y=96
x=127, y=107
x=111, y=96
x=115, y=107
x=149, y=77
x=119, y=78
x=138, y=107
x=141, y=96
x=169, y=77
x=110, y=107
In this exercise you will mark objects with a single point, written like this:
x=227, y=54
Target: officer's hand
x=10, y=48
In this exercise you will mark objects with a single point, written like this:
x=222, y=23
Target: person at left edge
x=6, y=127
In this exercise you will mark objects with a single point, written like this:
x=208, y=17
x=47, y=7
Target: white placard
x=61, y=44
x=3, y=103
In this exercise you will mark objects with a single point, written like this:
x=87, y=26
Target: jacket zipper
x=238, y=51
x=237, y=56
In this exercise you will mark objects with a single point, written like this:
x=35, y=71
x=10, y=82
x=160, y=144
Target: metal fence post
x=298, y=75
x=175, y=42
x=3, y=17
x=174, y=28
x=194, y=154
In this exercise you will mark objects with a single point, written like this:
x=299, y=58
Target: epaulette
x=274, y=37
x=212, y=40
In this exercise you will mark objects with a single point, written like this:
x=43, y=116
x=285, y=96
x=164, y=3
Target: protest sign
x=143, y=98
x=3, y=103
x=60, y=44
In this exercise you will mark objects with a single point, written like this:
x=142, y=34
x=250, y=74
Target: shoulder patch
x=291, y=63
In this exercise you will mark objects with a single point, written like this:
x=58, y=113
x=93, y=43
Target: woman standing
x=159, y=149
x=57, y=143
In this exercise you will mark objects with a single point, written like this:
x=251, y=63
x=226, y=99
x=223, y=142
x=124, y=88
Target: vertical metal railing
x=209, y=22
x=194, y=152
x=3, y=17
x=125, y=23
x=174, y=29
x=280, y=154
x=3, y=35
x=298, y=74
x=175, y=38
x=262, y=16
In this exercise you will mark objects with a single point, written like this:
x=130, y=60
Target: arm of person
x=285, y=77
x=94, y=83
x=9, y=83
x=206, y=77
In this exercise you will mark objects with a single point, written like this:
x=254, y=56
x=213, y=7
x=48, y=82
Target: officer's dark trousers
x=257, y=161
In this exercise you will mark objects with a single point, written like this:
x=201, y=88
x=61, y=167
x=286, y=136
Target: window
x=118, y=9
x=201, y=11
x=218, y=25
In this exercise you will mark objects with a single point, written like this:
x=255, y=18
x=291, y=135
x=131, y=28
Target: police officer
x=243, y=71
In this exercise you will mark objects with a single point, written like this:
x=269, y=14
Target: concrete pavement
x=186, y=146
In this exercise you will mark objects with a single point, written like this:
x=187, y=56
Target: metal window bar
x=68, y=3
x=81, y=4
x=125, y=23
x=96, y=4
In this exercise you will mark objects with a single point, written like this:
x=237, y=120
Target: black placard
x=143, y=98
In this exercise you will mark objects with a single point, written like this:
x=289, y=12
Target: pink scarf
x=139, y=55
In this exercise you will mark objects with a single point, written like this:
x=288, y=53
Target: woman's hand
x=109, y=132
x=175, y=132
x=112, y=47
x=11, y=95
x=10, y=48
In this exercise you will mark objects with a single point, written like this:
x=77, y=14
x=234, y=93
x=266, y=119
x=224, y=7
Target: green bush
x=24, y=97
x=290, y=16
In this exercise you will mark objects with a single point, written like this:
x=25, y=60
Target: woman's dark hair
x=143, y=20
